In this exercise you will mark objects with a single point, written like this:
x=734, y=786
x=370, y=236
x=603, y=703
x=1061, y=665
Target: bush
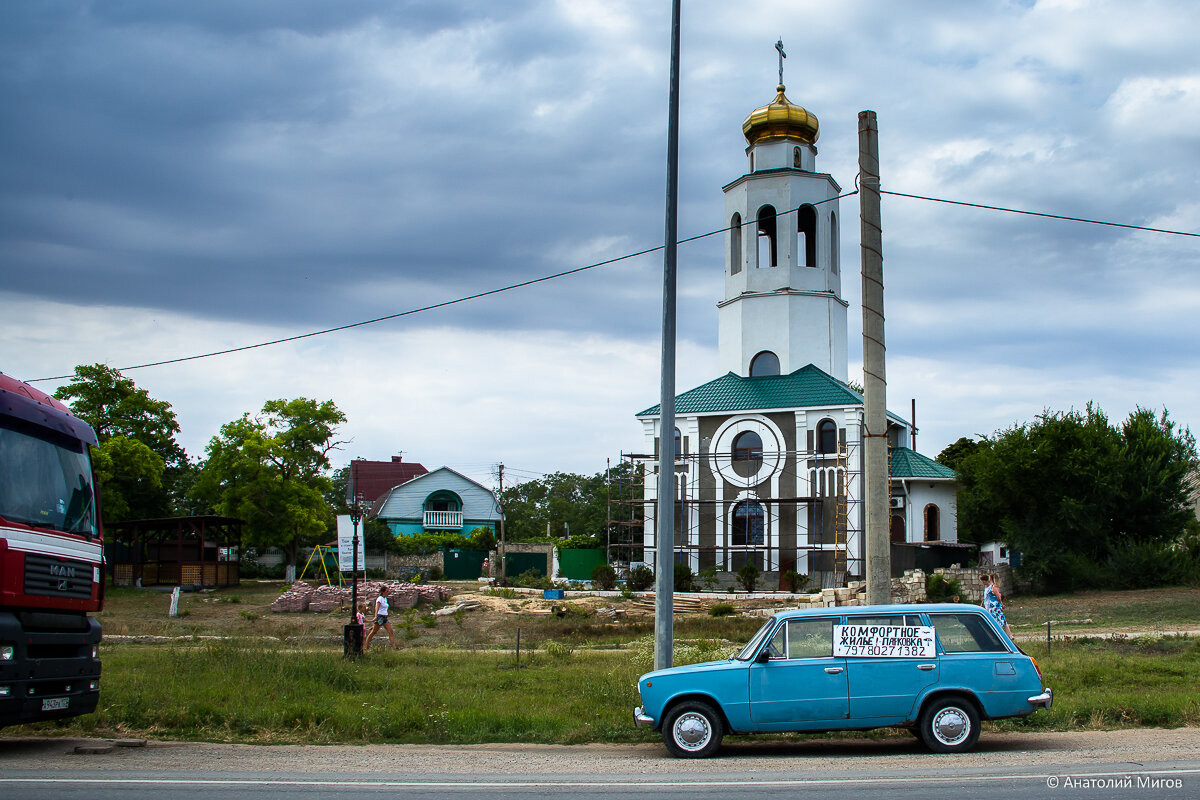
x=748, y=576
x=533, y=578
x=435, y=573
x=641, y=578
x=684, y=578
x=938, y=589
x=708, y=577
x=604, y=577
x=722, y=610
x=795, y=581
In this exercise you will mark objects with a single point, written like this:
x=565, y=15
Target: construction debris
x=302, y=597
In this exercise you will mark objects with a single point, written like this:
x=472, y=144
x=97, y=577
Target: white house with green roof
x=768, y=456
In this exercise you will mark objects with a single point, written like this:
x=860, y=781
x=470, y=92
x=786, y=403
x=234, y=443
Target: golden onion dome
x=781, y=119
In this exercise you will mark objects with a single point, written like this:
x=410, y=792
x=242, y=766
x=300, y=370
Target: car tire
x=950, y=725
x=693, y=730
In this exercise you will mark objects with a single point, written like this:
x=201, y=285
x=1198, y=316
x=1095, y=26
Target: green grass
x=249, y=691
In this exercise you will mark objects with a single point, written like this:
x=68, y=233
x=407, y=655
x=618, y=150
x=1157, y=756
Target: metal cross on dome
x=782, y=56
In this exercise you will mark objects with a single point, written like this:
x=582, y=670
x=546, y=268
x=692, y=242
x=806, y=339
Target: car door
x=802, y=683
x=887, y=687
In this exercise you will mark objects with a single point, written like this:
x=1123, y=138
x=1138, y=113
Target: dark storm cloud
x=244, y=160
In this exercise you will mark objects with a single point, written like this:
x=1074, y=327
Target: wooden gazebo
x=175, y=551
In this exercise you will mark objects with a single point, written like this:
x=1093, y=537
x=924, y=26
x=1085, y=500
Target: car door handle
x=926, y=666
x=833, y=670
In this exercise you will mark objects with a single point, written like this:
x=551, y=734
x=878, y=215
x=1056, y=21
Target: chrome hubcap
x=951, y=725
x=692, y=731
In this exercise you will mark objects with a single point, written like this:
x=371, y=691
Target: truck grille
x=57, y=577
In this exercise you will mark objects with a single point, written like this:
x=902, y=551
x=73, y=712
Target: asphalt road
x=1137, y=763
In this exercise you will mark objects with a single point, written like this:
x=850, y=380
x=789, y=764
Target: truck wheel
x=692, y=730
x=950, y=725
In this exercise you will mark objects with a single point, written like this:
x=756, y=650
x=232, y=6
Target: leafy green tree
x=270, y=471
x=954, y=453
x=134, y=430
x=1069, y=490
x=563, y=501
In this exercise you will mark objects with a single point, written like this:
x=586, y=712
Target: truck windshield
x=46, y=482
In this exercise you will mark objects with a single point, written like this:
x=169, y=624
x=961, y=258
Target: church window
x=796, y=158
x=747, y=453
x=735, y=244
x=932, y=523
x=749, y=524
x=833, y=244
x=678, y=445
x=827, y=436
x=768, y=249
x=765, y=363
x=806, y=227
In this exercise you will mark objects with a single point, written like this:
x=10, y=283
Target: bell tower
x=783, y=307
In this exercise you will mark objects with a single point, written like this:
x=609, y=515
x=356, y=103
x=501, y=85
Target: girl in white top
x=381, y=620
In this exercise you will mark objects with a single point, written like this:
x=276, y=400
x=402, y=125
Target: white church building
x=768, y=465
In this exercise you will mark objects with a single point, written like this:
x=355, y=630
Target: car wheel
x=692, y=730
x=950, y=725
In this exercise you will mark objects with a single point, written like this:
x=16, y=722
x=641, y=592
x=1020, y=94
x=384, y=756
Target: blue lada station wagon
x=935, y=669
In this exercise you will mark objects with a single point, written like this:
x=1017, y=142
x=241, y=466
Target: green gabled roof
x=806, y=387
x=908, y=463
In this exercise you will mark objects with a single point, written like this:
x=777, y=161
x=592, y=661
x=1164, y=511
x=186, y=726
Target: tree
x=270, y=471
x=1069, y=490
x=953, y=454
x=134, y=431
x=564, y=501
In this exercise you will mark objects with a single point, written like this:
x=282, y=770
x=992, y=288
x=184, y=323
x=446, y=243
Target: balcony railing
x=443, y=519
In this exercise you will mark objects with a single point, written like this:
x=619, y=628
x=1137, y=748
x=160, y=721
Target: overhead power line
x=1041, y=214
x=607, y=262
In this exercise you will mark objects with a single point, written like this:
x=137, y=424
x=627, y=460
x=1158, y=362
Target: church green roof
x=806, y=387
x=908, y=463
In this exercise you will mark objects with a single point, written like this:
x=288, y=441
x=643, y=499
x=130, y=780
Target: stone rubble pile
x=301, y=597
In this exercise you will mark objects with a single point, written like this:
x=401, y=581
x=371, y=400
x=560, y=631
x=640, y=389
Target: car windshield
x=45, y=483
x=748, y=651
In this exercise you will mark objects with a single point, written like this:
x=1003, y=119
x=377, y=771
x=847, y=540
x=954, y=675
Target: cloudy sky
x=179, y=177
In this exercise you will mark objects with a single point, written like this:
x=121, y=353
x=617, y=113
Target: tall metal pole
x=876, y=478
x=664, y=526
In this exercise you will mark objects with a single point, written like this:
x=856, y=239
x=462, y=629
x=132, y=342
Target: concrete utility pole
x=500, y=553
x=875, y=461
x=664, y=525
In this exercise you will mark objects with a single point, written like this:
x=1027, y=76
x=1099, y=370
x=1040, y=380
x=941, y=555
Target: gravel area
x=826, y=756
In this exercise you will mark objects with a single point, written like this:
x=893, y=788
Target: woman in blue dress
x=993, y=601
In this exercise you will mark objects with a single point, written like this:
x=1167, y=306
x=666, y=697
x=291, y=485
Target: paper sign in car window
x=884, y=641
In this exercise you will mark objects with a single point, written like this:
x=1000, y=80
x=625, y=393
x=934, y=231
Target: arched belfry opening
x=768, y=242
x=735, y=244
x=806, y=233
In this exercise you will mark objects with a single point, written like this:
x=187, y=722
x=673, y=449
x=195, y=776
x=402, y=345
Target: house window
x=747, y=453
x=678, y=445
x=749, y=524
x=735, y=244
x=806, y=230
x=827, y=437
x=765, y=363
x=768, y=250
x=932, y=523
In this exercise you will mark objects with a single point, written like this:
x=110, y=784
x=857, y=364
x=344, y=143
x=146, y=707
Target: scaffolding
x=788, y=525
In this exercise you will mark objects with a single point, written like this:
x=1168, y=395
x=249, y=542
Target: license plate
x=55, y=703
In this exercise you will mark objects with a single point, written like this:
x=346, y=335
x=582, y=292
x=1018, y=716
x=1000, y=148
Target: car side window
x=777, y=647
x=810, y=638
x=966, y=633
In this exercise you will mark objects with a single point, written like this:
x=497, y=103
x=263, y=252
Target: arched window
x=747, y=453
x=806, y=228
x=898, y=535
x=932, y=523
x=735, y=244
x=678, y=445
x=833, y=244
x=765, y=363
x=442, y=501
x=768, y=250
x=749, y=524
x=827, y=436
